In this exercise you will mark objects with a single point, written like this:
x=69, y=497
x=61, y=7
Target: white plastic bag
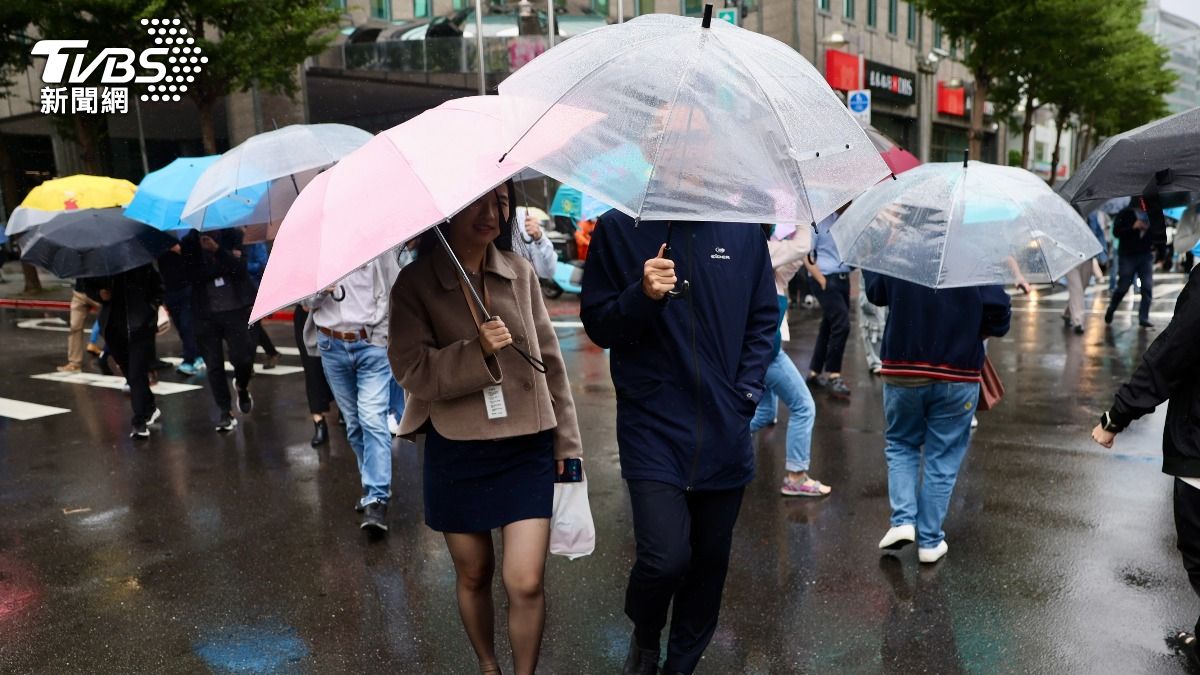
x=572, y=532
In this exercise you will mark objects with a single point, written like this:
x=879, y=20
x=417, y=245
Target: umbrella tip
x=502, y=158
x=707, y=22
x=966, y=156
x=894, y=176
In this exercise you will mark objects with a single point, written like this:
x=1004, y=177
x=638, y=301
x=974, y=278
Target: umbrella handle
x=686, y=285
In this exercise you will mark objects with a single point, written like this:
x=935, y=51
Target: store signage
x=890, y=83
x=842, y=70
x=951, y=100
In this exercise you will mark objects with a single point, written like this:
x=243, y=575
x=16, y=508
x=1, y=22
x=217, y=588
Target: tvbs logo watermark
x=166, y=70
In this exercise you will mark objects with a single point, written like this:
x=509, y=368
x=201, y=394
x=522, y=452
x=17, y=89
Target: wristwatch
x=1107, y=424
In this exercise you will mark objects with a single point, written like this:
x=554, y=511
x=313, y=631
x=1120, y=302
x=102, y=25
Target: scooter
x=568, y=271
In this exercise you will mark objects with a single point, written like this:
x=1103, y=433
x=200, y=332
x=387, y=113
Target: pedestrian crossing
x=45, y=324
x=258, y=367
x=114, y=382
x=24, y=411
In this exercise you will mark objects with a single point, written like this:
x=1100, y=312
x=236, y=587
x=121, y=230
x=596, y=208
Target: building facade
x=1181, y=38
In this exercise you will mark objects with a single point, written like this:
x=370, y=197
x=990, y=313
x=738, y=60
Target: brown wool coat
x=435, y=354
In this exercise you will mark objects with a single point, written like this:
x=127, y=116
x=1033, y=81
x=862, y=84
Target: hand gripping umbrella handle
x=537, y=363
x=685, y=285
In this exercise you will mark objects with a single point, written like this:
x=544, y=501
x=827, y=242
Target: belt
x=345, y=337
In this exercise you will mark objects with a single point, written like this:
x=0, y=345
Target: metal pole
x=479, y=45
x=551, y=27
x=620, y=11
x=137, y=108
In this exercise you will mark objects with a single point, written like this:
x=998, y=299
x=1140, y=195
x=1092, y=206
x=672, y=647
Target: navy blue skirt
x=477, y=486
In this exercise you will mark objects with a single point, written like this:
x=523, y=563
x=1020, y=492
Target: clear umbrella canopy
x=945, y=225
x=265, y=159
x=714, y=123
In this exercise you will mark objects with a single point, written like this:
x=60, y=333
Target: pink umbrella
x=897, y=158
x=401, y=183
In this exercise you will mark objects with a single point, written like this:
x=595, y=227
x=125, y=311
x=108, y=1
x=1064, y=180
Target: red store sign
x=951, y=100
x=843, y=70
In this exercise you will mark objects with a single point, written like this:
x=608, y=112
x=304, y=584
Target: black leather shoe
x=640, y=661
x=1145, y=324
x=1109, y=314
x=320, y=433
x=375, y=518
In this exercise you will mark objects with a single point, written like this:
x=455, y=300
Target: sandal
x=809, y=488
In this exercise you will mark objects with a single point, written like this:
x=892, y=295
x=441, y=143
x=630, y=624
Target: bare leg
x=474, y=566
x=526, y=543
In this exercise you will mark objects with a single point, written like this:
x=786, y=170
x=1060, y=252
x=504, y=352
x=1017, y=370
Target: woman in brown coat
x=493, y=423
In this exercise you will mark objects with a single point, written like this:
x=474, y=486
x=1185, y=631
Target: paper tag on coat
x=219, y=282
x=493, y=398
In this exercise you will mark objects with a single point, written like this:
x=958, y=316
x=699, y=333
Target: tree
x=15, y=18
x=991, y=29
x=248, y=43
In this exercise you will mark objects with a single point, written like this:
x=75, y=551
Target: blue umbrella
x=575, y=205
x=161, y=195
x=1175, y=213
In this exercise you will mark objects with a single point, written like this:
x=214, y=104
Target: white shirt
x=543, y=256
x=356, y=308
x=1194, y=482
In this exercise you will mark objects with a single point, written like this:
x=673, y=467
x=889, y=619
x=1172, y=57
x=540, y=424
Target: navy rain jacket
x=688, y=371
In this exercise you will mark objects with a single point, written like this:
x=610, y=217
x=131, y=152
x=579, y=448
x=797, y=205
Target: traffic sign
x=859, y=102
x=729, y=14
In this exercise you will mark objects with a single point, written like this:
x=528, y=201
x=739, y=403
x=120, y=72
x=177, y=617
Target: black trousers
x=214, y=330
x=134, y=353
x=683, y=541
x=1187, y=527
x=316, y=387
x=263, y=340
x=835, y=325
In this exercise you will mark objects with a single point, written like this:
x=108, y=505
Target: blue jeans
x=395, y=398
x=1140, y=265
x=359, y=373
x=938, y=417
x=784, y=381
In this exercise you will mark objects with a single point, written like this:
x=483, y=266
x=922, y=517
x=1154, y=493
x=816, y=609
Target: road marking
x=258, y=367
x=287, y=351
x=1058, y=310
x=45, y=324
x=114, y=382
x=23, y=410
x=567, y=324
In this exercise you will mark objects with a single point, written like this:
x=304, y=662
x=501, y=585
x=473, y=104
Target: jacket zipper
x=695, y=367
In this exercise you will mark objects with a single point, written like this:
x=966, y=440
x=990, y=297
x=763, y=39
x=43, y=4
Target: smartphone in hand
x=572, y=471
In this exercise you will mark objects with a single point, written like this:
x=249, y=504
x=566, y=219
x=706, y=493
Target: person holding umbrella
x=494, y=421
x=1170, y=371
x=222, y=294
x=689, y=374
x=1135, y=259
x=129, y=318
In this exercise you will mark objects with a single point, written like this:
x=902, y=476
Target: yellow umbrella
x=80, y=192
x=55, y=196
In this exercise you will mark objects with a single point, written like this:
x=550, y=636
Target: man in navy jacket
x=932, y=356
x=688, y=373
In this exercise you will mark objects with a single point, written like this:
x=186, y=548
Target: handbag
x=572, y=532
x=991, y=389
x=164, y=321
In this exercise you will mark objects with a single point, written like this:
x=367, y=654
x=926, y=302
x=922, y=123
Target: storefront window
x=948, y=143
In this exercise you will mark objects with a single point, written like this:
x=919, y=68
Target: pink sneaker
x=809, y=488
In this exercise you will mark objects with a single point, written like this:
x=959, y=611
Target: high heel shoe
x=320, y=433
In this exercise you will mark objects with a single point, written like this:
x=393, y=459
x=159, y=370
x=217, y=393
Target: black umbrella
x=93, y=243
x=1159, y=157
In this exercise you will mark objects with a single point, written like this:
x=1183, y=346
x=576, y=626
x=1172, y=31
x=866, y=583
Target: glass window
x=421, y=9
x=600, y=7
x=912, y=23
x=893, y=16
x=693, y=7
x=953, y=49
x=645, y=7
x=337, y=4
x=382, y=9
x=848, y=9
x=871, y=13
x=937, y=34
x=823, y=5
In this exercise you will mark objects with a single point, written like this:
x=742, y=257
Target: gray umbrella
x=93, y=243
x=1162, y=156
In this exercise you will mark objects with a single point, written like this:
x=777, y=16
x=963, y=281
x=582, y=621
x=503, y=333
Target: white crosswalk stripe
x=114, y=382
x=24, y=410
x=258, y=367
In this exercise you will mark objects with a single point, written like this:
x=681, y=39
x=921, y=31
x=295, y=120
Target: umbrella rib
x=666, y=126
x=621, y=53
x=778, y=120
x=962, y=186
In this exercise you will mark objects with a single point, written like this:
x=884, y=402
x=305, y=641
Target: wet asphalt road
x=194, y=552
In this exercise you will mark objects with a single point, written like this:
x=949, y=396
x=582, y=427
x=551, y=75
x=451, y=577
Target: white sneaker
x=974, y=422
x=393, y=425
x=154, y=417
x=932, y=555
x=898, y=537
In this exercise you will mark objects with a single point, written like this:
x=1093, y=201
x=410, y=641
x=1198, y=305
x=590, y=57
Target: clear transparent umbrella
x=283, y=159
x=946, y=225
x=715, y=123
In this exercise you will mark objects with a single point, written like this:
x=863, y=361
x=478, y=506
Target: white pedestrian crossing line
x=258, y=367
x=286, y=351
x=567, y=324
x=24, y=411
x=114, y=382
